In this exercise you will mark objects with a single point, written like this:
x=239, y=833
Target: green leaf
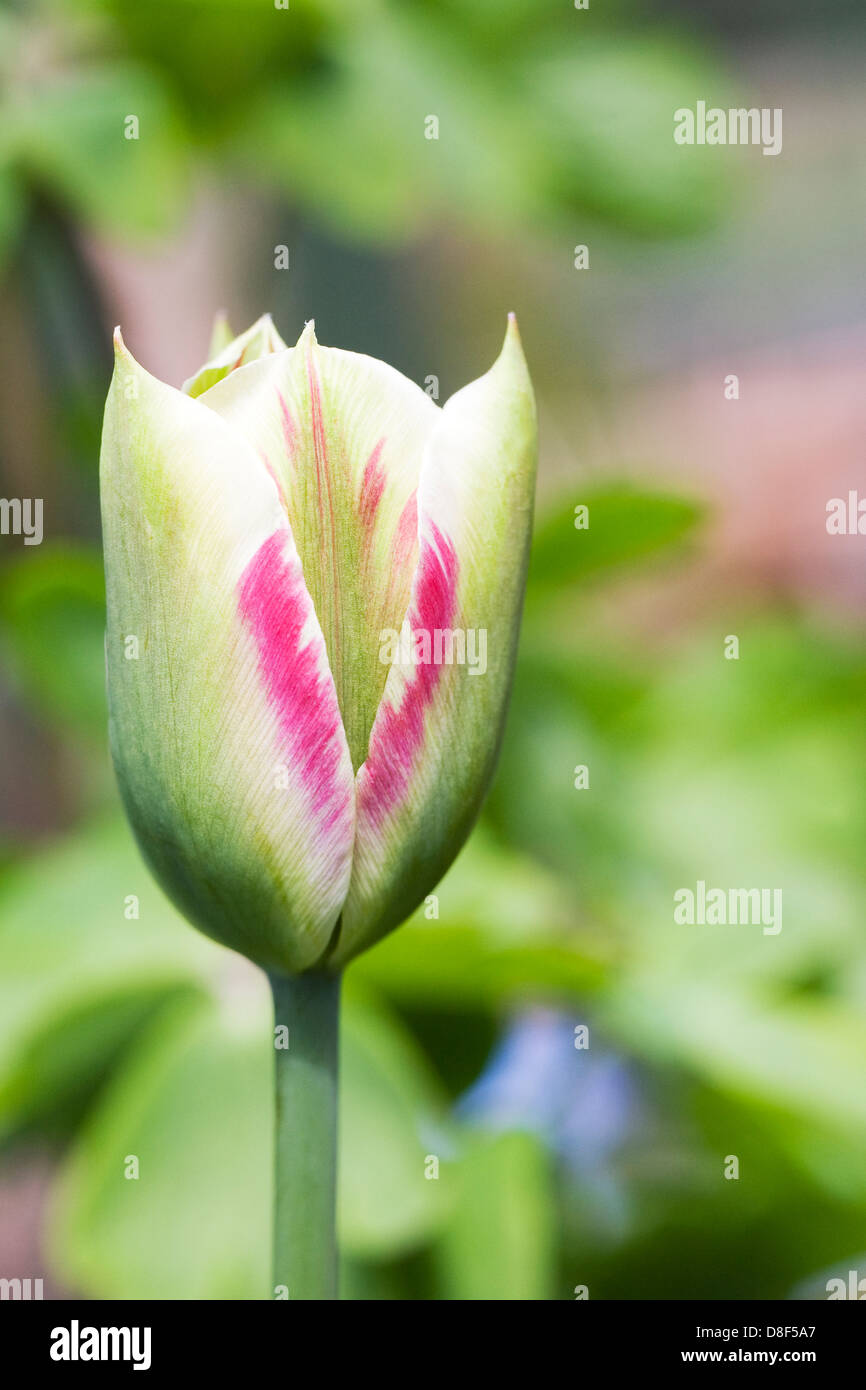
x=500, y=1243
x=191, y=1109
x=804, y=1057
x=77, y=974
x=604, y=108
x=70, y=137
x=626, y=524
x=58, y=1067
x=749, y=774
x=320, y=135
x=52, y=629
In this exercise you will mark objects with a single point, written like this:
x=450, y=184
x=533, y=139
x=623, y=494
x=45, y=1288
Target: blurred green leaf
x=750, y=773
x=804, y=1057
x=52, y=629
x=369, y=108
x=500, y=1243
x=191, y=1106
x=526, y=135
x=56, y=1068
x=215, y=55
x=625, y=524
x=69, y=137
x=567, y=714
x=77, y=975
x=604, y=107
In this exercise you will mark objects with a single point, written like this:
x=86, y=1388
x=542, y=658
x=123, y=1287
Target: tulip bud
x=323, y=573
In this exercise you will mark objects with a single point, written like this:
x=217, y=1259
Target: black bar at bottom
x=259, y=1339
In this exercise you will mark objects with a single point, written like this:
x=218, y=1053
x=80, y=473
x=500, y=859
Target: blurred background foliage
x=124, y=1034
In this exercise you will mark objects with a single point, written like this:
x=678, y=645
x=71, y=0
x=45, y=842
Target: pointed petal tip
x=122, y=353
x=512, y=331
x=308, y=337
x=512, y=345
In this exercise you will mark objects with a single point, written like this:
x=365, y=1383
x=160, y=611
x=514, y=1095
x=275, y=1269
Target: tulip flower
x=314, y=581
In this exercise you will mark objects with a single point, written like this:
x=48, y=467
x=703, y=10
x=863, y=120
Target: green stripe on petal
x=344, y=435
x=224, y=723
x=436, y=735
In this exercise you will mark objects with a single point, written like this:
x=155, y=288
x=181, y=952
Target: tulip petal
x=435, y=738
x=225, y=727
x=344, y=435
x=258, y=341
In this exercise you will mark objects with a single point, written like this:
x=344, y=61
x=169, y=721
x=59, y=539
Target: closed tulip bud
x=314, y=582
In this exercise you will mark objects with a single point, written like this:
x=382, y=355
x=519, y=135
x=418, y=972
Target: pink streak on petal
x=275, y=476
x=406, y=535
x=404, y=554
x=275, y=606
x=290, y=429
x=398, y=731
x=372, y=487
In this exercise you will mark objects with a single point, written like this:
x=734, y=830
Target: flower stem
x=305, y=1188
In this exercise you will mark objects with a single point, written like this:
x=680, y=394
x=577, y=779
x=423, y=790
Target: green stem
x=305, y=1190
